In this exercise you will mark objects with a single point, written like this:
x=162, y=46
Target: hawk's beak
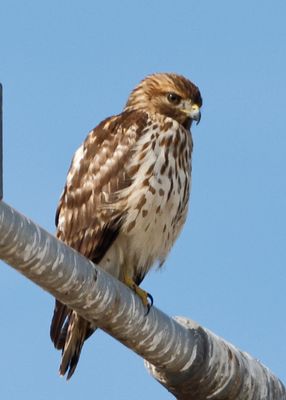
x=195, y=113
x=192, y=110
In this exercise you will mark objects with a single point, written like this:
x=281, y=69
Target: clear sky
x=66, y=65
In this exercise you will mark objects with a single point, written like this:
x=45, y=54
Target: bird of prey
x=127, y=191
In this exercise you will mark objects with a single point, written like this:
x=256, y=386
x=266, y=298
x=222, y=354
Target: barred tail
x=68, y=333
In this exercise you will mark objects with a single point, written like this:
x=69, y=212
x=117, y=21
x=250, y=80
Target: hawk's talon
x=145, y=297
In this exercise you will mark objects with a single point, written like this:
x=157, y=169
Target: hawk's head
x=168, y=94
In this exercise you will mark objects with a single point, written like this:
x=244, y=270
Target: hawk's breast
x=157, y=200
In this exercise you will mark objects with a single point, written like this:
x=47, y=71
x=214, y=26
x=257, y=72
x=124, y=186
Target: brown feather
x=78, y=331
x=61, y=312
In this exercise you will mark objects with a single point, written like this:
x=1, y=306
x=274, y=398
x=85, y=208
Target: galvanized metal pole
x=190, y=361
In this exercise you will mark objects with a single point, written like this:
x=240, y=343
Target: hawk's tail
x=68, y=333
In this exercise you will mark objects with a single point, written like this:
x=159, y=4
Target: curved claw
x=150, y=304
x=145, y=297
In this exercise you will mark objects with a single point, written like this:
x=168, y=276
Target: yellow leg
x=144, y=296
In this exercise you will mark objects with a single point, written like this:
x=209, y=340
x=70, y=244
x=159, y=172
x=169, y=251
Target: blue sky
x=66, y=65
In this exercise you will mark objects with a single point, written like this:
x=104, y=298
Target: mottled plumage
x=126, y=196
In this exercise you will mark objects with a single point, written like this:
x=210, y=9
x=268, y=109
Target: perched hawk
x=127, y=191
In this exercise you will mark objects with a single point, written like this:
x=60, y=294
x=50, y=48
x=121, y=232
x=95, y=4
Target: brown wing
x=89, y=214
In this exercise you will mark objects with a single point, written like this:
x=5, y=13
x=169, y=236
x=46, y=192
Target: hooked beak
x=192, y=110
x=195, y=113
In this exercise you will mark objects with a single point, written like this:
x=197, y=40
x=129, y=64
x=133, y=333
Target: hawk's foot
x=145, y=297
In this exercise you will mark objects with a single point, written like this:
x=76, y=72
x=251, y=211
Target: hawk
x=126, y=196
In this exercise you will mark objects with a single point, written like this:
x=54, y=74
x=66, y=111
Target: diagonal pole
x=190, y=361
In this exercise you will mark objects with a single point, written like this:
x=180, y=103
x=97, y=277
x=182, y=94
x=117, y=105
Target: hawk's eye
x=174, y=98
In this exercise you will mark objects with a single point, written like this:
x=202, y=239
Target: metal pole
x=190, y=361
